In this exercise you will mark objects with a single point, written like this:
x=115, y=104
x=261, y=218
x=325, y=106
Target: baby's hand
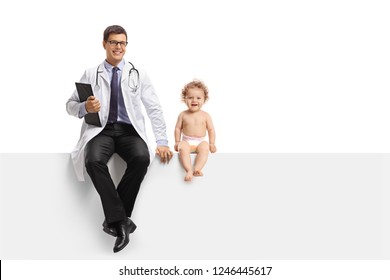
x=176, y=147
x=213, y=149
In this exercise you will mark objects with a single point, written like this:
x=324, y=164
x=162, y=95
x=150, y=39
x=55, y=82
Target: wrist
x=162, y=142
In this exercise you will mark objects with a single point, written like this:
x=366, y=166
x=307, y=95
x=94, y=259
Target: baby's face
x=194, y=99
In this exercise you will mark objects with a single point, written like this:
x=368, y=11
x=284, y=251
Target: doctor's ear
x=104, y=44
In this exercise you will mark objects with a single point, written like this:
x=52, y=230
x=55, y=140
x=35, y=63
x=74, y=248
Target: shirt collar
x=109, y=67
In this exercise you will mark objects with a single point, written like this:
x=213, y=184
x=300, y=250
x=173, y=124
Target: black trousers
x=118, y=202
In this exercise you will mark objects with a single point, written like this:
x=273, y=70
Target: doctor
x=119, y=89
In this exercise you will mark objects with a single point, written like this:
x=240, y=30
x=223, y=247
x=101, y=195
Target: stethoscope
x=132, y=81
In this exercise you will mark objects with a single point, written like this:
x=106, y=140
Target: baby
x=191, y=126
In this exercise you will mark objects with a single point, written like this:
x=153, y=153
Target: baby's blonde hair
x=195, y=84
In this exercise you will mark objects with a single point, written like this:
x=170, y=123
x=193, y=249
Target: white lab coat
x=145, y=93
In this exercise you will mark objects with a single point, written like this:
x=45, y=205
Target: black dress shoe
x=111, y=230
x=123, y=230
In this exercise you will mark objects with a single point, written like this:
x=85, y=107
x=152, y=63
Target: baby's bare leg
x=185, y=158
x=201, y=158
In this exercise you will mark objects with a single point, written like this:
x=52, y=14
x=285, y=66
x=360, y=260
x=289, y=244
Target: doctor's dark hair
x=116, y=29
x=195, y=84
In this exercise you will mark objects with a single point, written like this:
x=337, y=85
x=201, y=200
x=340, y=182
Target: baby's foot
x=188, y=176
x=198, y=173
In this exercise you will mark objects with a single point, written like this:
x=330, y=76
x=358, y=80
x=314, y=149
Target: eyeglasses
x=114, y=43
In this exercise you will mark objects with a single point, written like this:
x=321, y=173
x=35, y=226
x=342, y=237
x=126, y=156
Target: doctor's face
x=115, y=47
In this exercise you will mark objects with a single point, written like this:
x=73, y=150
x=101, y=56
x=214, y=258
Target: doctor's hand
x=164, y=153
x=92, y=105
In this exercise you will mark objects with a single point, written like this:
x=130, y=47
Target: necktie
x=113, y=115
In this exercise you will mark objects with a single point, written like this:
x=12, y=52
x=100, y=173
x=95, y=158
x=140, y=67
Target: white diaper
x=193, y=141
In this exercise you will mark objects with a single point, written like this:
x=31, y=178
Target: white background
x=284, y=76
